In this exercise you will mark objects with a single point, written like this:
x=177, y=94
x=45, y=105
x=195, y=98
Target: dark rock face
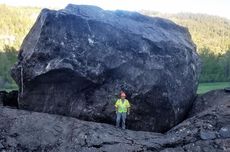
x=32, y=131
x=75, y=61
x=208, y=100
x=227, y=89
x=9, y=99
x=2, y=97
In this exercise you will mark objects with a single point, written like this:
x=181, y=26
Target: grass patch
x=205, y=87
x=9, y=87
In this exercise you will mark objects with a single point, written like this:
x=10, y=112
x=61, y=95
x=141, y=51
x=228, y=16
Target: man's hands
x=128, y=111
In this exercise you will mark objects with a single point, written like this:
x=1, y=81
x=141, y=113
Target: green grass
x=9, y=87
x=205, y=87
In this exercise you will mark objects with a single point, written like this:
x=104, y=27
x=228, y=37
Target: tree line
x=215, y=67
x=7, y=59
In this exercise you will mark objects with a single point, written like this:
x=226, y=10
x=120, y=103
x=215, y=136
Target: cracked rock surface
x=207, y=131
x=75, y=61
x=208, y=100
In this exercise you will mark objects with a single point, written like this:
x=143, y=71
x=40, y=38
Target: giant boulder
x=75, y=61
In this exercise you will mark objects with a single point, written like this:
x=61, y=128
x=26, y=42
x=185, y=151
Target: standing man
x=122, y=109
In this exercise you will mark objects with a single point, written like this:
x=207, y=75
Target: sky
x=211, y=7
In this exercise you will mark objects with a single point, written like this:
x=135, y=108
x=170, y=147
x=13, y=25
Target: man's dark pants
x=121, y=117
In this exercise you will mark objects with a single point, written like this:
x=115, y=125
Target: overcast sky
x=212, y=7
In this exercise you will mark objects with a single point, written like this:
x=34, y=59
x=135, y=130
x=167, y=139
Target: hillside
x=207, y=31
x=15, y=23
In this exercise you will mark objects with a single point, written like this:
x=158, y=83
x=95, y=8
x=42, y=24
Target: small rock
x=1, y=146
x=225, y=132
x=205, y=135
x=11, y=141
